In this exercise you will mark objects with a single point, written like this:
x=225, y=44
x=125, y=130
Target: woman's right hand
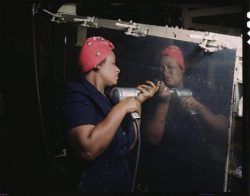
x=164, y=92
x=130, y=105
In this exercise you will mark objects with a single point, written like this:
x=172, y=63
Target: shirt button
x=125, y=148
x=124, y=133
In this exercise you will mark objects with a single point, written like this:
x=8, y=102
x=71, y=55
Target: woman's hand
x=164, y=92
x=130, y=105
x=190, y=103
x=148, y=91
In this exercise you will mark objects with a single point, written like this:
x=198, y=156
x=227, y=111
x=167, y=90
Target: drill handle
x=134, y=115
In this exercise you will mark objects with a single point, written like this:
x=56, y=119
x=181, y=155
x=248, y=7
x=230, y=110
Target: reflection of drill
x=179, y=93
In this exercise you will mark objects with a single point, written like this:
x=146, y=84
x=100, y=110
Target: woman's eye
x=169, y=65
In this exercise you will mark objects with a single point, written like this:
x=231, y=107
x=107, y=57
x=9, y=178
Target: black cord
x=37, y=84
x=138, y=153
x=203, y=144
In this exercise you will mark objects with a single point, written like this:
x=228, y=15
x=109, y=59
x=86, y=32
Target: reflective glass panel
x=184, y=135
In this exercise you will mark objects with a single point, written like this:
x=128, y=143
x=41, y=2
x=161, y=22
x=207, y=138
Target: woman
x=100, y=132
x=178, y=159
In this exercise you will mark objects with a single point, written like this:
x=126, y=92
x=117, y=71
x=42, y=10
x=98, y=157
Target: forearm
x=103, y=133
x=156, y=125
x=217, y=122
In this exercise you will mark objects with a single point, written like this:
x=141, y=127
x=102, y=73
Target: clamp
x=87, y=22
x=57, y=15
x=131, y=25
x=209, y=37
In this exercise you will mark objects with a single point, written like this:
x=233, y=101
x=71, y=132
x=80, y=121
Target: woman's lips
x=167, y=78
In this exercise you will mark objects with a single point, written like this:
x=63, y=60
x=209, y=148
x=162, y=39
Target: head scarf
x=93, y=51
x=175, y=53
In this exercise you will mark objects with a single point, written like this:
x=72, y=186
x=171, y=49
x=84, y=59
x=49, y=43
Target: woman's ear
x=182, y=71
x=98, y=67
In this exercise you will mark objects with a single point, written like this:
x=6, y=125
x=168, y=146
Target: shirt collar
x=92, y=88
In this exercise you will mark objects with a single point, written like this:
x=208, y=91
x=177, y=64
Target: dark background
x=27, y=163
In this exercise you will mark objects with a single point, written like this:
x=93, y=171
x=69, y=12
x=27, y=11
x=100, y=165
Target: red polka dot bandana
x=175, y=53
x=93, y=51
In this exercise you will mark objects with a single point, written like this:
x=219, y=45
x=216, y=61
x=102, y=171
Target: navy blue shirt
x=84, y=104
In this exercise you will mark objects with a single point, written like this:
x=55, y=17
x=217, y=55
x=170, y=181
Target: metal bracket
x=240, y=107
x=238, y=70
x=57, y=15
x=87, y=22
x=131, y=25
x=208, y=39
x=62, y=155
x=237, y=172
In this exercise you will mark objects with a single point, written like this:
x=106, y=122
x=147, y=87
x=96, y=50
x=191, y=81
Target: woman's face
x=109, y=72
x=172, y=72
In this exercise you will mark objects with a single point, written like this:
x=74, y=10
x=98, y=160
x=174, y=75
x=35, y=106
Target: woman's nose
x=167, y=71
x=117, y=69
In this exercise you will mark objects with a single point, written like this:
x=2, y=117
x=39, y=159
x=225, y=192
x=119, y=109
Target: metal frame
x=205, y=39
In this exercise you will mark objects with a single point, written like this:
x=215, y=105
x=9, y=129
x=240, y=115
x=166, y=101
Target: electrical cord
x=201, y=133
x=37, y=84
x=138, y=153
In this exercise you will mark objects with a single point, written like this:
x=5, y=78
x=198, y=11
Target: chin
x=168, y=84
x=112, y=84
x=115, y=82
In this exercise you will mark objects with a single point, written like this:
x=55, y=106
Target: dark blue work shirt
x=84, y=104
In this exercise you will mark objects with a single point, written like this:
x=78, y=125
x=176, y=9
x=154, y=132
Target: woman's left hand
x=148, y=91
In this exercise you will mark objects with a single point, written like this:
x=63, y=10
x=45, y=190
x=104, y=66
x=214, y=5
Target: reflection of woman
x=172, y=66
x=100, y=133
x=175, y=130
